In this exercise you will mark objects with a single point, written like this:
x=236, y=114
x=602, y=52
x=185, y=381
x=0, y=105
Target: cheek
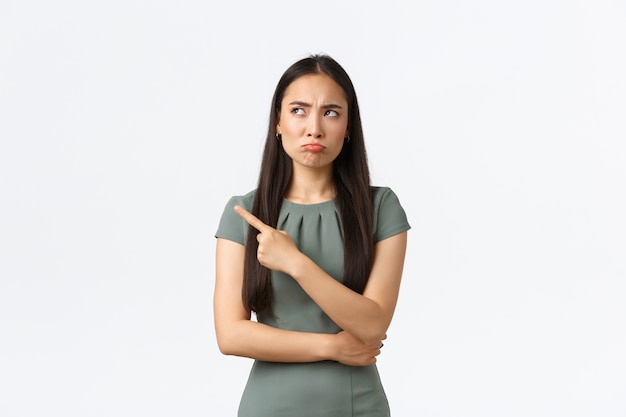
x=289, y=126
x=340, y=131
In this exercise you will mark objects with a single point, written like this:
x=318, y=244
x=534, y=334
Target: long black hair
x=350, y=176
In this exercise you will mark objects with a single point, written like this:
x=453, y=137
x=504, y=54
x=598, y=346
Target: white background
x=125, y=126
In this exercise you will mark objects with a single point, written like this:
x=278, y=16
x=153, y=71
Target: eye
x=297, y=110
x=331, y=113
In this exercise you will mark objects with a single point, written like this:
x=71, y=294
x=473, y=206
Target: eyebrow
x=305, y=104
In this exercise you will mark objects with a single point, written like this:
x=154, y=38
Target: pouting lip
x=314, y=147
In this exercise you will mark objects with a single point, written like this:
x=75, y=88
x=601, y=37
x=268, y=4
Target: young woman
x=316, y=253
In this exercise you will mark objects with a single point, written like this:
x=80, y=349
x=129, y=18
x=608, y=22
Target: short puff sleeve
x=389, y=216
x=232, y=226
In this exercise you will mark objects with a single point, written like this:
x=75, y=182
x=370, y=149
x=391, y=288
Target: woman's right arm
x=238, y=335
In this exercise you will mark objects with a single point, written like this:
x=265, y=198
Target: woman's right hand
x=351, y=351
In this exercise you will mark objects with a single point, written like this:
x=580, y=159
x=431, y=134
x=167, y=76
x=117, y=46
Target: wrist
x=298, y=266
x=327, y=350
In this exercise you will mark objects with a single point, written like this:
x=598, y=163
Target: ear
x=278, y=128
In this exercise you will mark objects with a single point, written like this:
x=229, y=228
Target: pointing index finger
x=251, y=219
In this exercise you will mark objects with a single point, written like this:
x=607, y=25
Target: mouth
x=313, y=147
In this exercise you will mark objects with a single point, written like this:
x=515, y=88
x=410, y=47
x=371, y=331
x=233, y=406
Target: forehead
x=315, y=88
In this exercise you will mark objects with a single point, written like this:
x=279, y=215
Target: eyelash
x=295, y=111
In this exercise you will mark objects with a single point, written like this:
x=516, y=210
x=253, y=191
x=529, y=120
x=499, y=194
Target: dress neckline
x=322, y=203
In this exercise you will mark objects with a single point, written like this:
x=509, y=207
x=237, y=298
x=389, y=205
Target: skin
x=314, y=112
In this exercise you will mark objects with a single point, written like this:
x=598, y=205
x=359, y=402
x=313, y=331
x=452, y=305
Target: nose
x=314, y=129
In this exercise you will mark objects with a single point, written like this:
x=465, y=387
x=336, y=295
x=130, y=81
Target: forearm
x=256, y=340
x=355, y=313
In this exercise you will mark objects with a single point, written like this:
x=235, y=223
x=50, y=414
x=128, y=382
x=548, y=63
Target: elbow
x=374, y=342
x=226, y=345
x=231, y=337
x=227, y=350
x=374, y=338
x=224, y=348
x=374, y=334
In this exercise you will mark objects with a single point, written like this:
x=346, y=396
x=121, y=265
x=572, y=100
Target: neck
x=311, y=186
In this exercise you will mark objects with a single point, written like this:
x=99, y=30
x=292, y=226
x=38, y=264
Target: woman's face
x=313, y=121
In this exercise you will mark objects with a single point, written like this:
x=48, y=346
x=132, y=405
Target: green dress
x=316, y=389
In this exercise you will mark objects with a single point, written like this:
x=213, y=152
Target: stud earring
x=279, y=136
x=346, y=139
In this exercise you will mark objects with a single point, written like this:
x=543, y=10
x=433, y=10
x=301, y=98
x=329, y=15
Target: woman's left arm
x=366, y=316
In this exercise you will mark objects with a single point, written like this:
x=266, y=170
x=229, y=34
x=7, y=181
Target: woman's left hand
x=276, y=251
